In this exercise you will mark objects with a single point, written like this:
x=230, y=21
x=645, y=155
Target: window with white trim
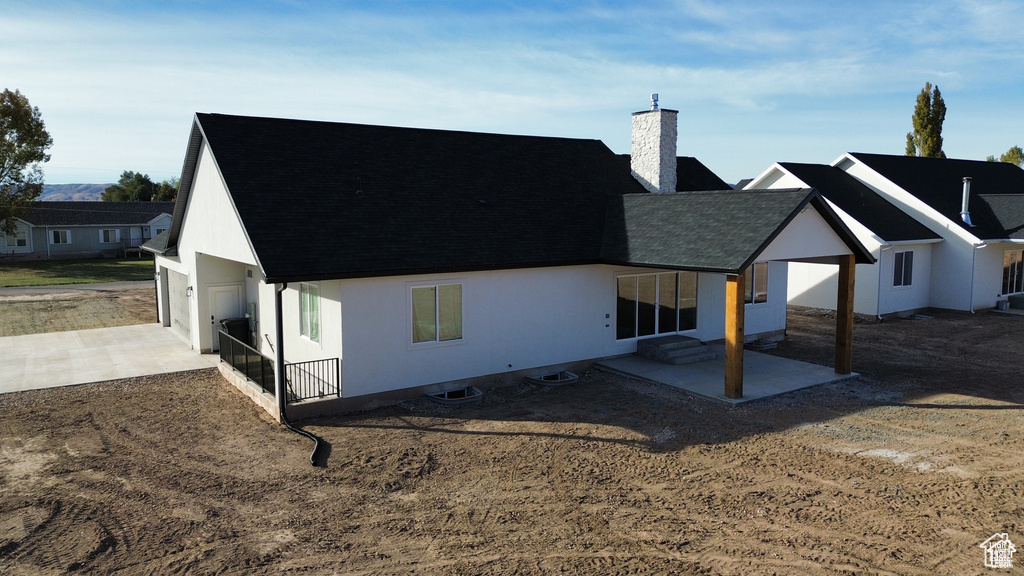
x=309, y=311
x=436, y=313
x=60, y=236
x=756, y=289
x=110, y=235
x=18, y=240
x=903, y=268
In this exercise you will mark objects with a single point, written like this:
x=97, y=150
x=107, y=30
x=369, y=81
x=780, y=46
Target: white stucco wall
x=815, y=285
x=989, y=273
x=512, y=320
x=212, y=248
x=952, y=260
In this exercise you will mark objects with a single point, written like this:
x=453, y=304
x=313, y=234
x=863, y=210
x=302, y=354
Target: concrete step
x=674, y=349
x=690, y=358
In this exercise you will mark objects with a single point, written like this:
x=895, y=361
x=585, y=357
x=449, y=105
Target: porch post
x=844, y=315
x=734, y=335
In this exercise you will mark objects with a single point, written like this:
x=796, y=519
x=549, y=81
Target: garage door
x=177, y=285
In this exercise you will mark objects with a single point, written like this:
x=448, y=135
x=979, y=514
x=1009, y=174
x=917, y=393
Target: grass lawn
x=87, y=271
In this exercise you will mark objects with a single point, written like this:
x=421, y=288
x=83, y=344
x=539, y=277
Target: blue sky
x=754, y=82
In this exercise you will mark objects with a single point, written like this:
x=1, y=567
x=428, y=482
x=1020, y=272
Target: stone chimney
x=653, y=154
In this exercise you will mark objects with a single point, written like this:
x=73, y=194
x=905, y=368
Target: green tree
x=1013, y=156
x=929, y=113
x=167, y=190
x=131, y=187
x=23, y=144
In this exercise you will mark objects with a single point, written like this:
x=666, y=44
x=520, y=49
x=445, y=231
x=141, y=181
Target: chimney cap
x=654, y=101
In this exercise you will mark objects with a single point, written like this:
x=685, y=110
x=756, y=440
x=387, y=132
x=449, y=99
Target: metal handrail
x=314, y=379
x=256, y=367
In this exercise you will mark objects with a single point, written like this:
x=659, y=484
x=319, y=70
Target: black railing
x=255, y=366
x=305, y=380
x=313, y=379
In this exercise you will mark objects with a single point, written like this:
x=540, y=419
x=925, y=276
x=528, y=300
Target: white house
x=947, y=233
x=425, y=259
x=898, y=282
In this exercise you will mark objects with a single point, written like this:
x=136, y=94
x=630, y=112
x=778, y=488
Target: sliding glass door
x=649, y=304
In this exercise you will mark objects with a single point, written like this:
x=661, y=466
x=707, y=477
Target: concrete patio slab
x=763, y=375
x=35, y=361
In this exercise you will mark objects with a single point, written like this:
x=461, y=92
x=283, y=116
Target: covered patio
x=736, y=230
x=764, y=375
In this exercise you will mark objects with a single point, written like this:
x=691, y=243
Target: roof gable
x=862, y=203
x=720, y=231
x=337, y=200
x=938, y=182
x=327, y=200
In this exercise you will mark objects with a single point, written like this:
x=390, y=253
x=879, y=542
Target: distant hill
x=73, y=192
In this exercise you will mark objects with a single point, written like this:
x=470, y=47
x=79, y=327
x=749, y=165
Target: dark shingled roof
x=325, y=200
x=939, y=183
x=691, y=174
x=720, y=231
x=94, y=213
x=346, y=200
x=862, y=203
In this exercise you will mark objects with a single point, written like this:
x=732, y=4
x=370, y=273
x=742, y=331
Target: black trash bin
x=237, y=328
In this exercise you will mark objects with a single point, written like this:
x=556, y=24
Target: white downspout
x=974, y=262
x=878, y=301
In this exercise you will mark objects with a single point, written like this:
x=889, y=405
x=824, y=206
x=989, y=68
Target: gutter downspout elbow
x=279, y=373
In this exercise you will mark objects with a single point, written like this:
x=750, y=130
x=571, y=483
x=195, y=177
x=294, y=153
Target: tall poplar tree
x=929, y=113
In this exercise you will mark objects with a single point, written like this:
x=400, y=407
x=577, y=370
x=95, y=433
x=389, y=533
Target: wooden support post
x=734, y=286
x=844, y=315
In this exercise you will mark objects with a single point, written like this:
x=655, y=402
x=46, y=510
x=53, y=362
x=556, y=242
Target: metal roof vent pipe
x=965, y=214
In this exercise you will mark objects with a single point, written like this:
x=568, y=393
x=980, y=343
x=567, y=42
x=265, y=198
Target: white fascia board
x=864, y=234
x=907, y=242
x=912, y=205
x=756, y=182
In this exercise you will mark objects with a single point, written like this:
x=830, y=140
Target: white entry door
x=225, y=302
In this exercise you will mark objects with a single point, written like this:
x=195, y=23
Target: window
x=756, y=289
x=309, y=311
x=110, y=235
x=60, y=236
x=1013, y=271
x=160, y=230
x=437, y=313
x=902, y=268
x=648, y=304
x=18, y=240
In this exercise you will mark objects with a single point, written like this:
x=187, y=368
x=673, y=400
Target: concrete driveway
x=35, y=361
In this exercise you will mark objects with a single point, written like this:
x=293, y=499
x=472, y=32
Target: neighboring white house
x=898, y=282
x=954, y=241
x=424, y=258
x=68, y=229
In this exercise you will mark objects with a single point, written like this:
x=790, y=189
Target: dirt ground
x=62, y=309
x=903, y=471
